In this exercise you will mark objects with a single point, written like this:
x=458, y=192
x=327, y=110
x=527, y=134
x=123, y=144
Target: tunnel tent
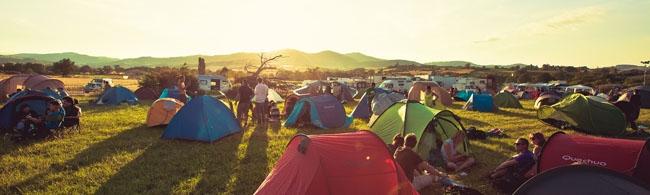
x=345, y=163
x=582, y=180
x=481, y=103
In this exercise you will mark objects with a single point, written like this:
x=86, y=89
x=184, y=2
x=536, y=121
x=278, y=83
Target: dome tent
x=603, y=118
x=406, y=117
x=146, y=93
x=382, y=100
x=506, y=100
x=117, y=95
x=481, y=103
x=345, y=163
x=420, y=86
x=202, y=119
x=162, y=111
x=323, y=111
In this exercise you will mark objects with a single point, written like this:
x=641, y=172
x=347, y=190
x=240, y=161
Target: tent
x=10, y=85
x=290, y=103
x=382, y=100
x=464, y=95
x=345, y=163
x=273, y=96
x=162, y=111
x=38, y=103
x=202, y=119
x=173, y=93
x=420, y=86
x=323, y=111
x=146, y=93
x=546, y=100
x=41, y=82
x=406, y=117
x=506, y=100
x=346, y=92
x=55, y=93
x=481, y=103
x=631, y=157
x=585, y=114
x=582, y=180
x=117, y=95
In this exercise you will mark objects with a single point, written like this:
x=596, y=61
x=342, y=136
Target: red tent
x=631, y=157
x=345, y=163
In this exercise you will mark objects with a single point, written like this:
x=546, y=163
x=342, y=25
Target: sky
x=594, y=33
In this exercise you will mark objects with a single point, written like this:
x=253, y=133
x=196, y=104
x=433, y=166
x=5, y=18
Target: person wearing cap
x=520, y=162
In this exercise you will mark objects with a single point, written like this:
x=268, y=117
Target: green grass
x=116, y=154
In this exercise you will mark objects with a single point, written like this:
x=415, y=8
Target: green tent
x=585, y=114
x=413, y=117
x=506, y=100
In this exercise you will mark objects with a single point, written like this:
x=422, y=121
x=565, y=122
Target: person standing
x=261, y=91
x=244, y=96
x=180, y=86
x=370, y=92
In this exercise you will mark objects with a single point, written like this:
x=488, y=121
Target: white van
x=401, y=86
x=214, y=82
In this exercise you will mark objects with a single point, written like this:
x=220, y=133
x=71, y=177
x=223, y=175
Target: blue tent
x=464, y=95
x=202, y=119
x=363, y=108
x=117, y=95
x=481, y=103
x=38, y=103
x=323, y=111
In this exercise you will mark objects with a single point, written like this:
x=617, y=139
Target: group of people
x=422, y=173
x=263, y=110
x=30, y=125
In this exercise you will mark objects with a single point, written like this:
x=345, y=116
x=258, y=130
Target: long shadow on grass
x=175, y=166
x=252, y=168
x=516, y=114
x=128, y=141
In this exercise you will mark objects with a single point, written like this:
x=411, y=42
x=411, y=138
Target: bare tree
x=264, y=65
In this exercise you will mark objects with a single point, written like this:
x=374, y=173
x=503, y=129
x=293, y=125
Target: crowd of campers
x=413, y=141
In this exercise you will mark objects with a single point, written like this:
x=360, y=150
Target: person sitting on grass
x=418, y=171
x=453, y=160
x=24, y=126
x=516, y=164
x=53, y=119
x=398, y=141
x=72, y=112
x=539, y=141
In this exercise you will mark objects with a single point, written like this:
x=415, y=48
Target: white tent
x=578, y=88
x=273, y=96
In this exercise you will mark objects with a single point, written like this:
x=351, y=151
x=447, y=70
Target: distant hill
x=450, y=63
x=53, y=57
x=291, y=59
x=628, y=67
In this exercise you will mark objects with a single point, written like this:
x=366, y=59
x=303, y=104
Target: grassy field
x=116, y=154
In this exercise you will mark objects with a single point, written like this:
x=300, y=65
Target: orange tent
x=420, y=86
x=162, y=111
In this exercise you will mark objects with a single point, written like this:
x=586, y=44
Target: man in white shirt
x=261, y=92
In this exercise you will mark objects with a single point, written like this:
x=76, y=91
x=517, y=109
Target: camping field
x=115, y=153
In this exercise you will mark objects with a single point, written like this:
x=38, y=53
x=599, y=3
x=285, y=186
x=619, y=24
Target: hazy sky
x=576, y=32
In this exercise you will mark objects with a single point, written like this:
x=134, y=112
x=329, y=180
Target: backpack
x=472, y=133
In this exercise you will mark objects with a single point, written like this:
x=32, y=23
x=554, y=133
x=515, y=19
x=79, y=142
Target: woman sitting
x=453, y=160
